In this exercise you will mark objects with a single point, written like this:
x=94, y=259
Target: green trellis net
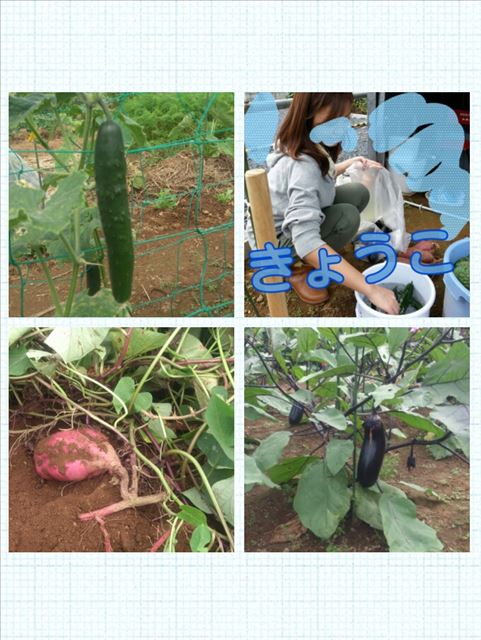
x=181, y=197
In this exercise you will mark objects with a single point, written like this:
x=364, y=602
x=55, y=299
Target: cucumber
x=92, y=272
x=372, y=452
x=296, y=413
x=113, y=203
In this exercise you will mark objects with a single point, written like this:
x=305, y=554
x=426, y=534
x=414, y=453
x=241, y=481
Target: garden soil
x=44, y=514
x=342, y=302
x=271, y=524
x=163, y=266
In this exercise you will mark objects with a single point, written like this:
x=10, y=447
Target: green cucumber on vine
x=92, y=273
x=112, y=197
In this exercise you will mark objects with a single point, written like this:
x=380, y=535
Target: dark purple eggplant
x=296, y=413
x=372, y=451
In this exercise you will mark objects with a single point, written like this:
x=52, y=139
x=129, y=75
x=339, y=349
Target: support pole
x=264, y=230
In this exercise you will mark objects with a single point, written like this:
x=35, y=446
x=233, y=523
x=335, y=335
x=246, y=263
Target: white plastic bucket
x=456, y=296
x=403, y=274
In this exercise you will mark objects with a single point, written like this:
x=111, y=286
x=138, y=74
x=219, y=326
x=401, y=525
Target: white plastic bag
x=385, y=202
x=20, y=170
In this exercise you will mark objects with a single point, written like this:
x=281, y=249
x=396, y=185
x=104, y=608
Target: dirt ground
x=271, y=524
x=342, y=302
x=44, y=513
x=167, y=275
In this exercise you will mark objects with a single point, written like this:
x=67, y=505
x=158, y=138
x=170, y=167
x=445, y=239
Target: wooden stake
x=264, y=230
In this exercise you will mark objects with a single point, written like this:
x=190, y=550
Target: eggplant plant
x=350, y=384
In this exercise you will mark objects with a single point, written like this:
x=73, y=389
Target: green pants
x=343, y=216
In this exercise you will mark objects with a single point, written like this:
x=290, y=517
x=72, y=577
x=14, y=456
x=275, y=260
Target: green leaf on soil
x=200, y=539
x=209, y=445
x=403, y=531
x=322, y=500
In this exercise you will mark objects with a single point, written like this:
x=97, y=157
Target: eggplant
x=296, y=413
x=372, y=451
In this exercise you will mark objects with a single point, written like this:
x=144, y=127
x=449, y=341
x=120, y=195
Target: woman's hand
x=369, y=164
x=383, y=298
x=342, y=167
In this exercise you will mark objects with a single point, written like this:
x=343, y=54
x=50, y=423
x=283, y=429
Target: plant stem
x=338, y=399
x=87, y=125
x=100, y=255
x=395, y=376
x=36, y=133
x=60, y=392
x=105, y=109
x=223, y=358
x=268, y=371
x=146, y=375
x=71, y=292
x=354, y=433
x=139, y=501
x=159, y=474
x=208, y=488
x=53, y=290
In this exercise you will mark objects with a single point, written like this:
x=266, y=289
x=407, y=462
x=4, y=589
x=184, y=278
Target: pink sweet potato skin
x=74, y=455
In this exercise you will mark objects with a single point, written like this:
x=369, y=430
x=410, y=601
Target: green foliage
x=54, y=221
x=225, y=197
x=322, y=499
x=167, y=117
x=419, y=377
x=461, y=271
x=265, y=458
x=165, y=200
x=359, y=105
x=140, y=385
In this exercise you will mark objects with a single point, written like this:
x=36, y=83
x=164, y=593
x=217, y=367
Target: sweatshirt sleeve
x=304, y=216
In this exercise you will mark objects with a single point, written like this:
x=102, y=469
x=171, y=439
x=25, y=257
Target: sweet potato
x=425, y=247
x=77, y=454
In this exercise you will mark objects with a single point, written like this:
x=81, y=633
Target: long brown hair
x=293, y=135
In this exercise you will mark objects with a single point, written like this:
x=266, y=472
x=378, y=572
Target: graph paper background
x=243, y=46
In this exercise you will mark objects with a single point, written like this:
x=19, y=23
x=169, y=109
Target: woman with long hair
x=310, y=212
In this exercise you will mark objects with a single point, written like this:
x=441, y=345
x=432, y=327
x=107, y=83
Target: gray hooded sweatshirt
x=299, y=193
